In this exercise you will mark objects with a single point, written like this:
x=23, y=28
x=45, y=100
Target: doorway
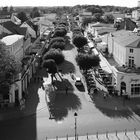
x=123, y=88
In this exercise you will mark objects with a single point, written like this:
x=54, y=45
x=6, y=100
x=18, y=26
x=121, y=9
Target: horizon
x=59, y=3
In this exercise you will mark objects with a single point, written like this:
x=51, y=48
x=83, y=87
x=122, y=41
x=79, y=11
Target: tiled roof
x=15, y=29
x=30, y=24
x=127, y=38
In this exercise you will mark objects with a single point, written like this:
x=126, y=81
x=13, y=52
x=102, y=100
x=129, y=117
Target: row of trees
x=109, y=18
x=84, y=60
x=54, y=57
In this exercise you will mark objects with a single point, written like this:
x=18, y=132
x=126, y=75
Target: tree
x=56, y=39
x=79, y=41
x=56, y=55
x=9, y=67
x=22, y=16
x=51, y=67
x=98, y=16
x=60, y=32
x=109, y=18
x=35, y=13
x=86, y=61
x=58, y=45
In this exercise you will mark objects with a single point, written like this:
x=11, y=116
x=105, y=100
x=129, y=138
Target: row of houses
x=122, y=57
x=19, y=40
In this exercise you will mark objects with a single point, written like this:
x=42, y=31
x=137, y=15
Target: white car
x=78, y=81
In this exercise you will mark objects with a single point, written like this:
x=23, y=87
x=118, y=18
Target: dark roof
x=15, y=29
x=30, y=24
x=127, y=38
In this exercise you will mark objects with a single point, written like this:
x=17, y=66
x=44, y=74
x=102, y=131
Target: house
x=100, y=28
x=125, y=23
x=10, y=28
x=15, y=45
x=124, y=56
x=32, y=28
x=136, y=14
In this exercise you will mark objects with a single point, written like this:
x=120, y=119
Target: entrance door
x=123, y=87
x=16, y=97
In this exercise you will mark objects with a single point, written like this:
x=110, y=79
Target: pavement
x=32, y=103
x=130, y=135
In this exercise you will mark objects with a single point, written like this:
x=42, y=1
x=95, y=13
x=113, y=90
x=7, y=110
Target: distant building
x=99, y=29
x=83, y=14
x=136, y=14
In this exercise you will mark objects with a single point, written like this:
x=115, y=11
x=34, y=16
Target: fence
x=124, y=135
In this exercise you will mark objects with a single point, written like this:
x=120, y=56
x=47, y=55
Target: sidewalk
x=31, y=104
x=132, y=135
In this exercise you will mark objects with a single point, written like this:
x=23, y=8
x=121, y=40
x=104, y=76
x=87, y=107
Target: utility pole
x=75, y=115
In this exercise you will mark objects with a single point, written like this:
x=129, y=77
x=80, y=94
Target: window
x=135, y=89
x=131, y=50
x=131, y=61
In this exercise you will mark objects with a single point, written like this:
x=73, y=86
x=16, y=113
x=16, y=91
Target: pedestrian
x=67, y=90
x=104, y=94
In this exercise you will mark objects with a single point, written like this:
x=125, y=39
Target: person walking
x=67, y=90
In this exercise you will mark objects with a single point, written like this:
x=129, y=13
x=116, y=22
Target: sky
x=126, y=3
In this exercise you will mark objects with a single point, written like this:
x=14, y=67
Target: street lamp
x=75, y=115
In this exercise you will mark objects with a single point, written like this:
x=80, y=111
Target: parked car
x=78, y=81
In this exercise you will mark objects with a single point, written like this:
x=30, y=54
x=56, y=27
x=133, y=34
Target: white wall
x=135, y=54
x=135, y=14
x=119, y=53
x=128, y=78
x=17, y=49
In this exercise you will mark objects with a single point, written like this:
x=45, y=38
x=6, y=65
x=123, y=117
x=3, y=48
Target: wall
x=128, y=78
x=119, y=53
x=135, y=54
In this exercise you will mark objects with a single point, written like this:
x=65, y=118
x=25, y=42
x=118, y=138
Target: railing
x=107, y=136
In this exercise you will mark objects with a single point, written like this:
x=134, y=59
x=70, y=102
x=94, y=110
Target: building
x=84, y=14
x=136, y=14
x=124, y=56
x=14, y=44
x=98, y=29
x=33, y=29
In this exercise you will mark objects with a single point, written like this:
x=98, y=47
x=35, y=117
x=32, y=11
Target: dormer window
x=131, y=50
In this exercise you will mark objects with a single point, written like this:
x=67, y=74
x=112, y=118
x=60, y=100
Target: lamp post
x=75, y=115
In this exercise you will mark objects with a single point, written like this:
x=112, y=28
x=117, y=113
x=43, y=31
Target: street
x=93, y=115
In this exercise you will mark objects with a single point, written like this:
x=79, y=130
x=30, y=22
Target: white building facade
x=124, y=46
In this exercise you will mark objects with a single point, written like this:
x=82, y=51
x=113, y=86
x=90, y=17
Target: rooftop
x=127, y=38
x=10, y=39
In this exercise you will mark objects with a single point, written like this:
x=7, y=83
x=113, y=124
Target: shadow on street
x=63, y=101
x=23, y=127
x=67, y=67
x=114, y=107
